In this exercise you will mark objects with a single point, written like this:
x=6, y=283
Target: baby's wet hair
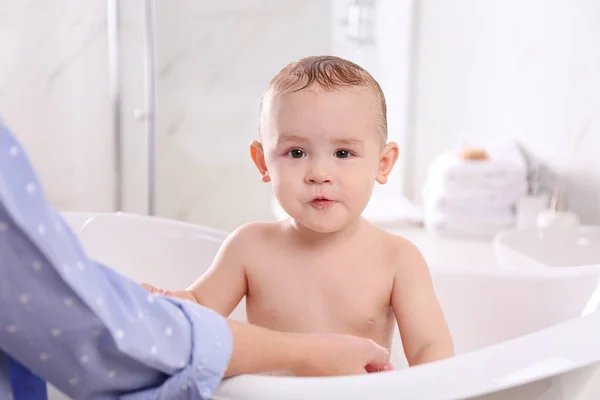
x=330, y=73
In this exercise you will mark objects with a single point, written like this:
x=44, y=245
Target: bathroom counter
x=446, y=251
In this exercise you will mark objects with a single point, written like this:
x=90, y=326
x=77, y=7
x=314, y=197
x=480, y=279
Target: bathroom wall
x=213, y=61
x=54, y=96
x=523, y=69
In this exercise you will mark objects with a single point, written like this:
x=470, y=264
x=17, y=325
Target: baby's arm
x=224, y=284
x=421, y=322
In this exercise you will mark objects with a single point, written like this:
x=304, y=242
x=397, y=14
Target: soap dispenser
x=558, y=215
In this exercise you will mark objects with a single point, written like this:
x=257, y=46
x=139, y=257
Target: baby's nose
x=318, y=176
x=319, y=172
x=318, y=180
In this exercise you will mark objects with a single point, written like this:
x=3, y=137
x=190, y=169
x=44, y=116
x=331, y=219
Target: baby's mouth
x=320, y=202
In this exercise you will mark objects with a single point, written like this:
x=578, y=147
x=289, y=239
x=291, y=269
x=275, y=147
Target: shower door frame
x=148, y=114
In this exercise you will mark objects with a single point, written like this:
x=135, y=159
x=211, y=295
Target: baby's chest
x=332, y=293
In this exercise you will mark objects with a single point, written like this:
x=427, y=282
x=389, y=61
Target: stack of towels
x=475, y=195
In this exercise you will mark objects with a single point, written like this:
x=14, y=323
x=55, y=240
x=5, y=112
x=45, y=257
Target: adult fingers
x=147, y=286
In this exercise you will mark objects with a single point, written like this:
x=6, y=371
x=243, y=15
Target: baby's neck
x=315, y=238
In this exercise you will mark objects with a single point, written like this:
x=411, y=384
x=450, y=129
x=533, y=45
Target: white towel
x=461, y=190
x=475, y=197
x=436, y=194
x=474, y=225
x=505, y=166
x=467, y=211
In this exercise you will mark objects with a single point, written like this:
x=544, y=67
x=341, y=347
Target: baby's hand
x=387, y=367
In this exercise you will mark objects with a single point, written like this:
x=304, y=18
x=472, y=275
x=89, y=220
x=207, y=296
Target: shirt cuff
x=212, y=347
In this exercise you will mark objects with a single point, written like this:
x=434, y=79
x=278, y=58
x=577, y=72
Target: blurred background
x=149, y=106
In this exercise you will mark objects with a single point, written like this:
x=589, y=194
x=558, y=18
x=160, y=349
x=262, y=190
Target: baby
x=323, y=133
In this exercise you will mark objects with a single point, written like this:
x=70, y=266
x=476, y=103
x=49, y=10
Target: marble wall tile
x=523, y=69
x=54, y=95
x=213, y=62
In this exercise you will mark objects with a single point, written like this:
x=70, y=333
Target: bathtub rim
x=589, y=325
x=495, y=383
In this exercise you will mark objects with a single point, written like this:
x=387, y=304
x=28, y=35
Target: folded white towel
x=476, y=197
x=474, y=225
x=505, y=166
x=462, y=190
x=467, y=211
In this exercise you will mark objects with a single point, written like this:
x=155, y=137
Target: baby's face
x=323, y=152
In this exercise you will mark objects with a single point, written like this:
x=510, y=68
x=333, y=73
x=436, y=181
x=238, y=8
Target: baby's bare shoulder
x=254, y=233
x=252, y=244
x=403, y=253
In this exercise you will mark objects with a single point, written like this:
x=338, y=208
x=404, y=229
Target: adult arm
x=107, y=334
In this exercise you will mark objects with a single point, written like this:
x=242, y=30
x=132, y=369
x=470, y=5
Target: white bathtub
x=518, y=334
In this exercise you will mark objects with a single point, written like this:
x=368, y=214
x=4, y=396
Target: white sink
x=546, y=248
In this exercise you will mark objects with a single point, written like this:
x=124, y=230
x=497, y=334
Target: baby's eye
x=296, y=153
x=342, y=154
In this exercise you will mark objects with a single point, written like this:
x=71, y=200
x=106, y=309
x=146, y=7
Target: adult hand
x=339, y=354
x=181, y=294
x=321, y=354
x=260, y=350
x=325, y=354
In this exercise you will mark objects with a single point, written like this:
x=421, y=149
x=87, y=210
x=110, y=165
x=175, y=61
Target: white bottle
x=557, y=216
x=529, y=208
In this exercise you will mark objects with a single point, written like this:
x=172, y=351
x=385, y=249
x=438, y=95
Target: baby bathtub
x=518, y=334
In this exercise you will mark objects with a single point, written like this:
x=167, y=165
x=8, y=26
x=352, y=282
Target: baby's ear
x=258, y=156
x=389, y=156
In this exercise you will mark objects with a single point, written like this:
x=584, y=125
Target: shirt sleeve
x=80, y=325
